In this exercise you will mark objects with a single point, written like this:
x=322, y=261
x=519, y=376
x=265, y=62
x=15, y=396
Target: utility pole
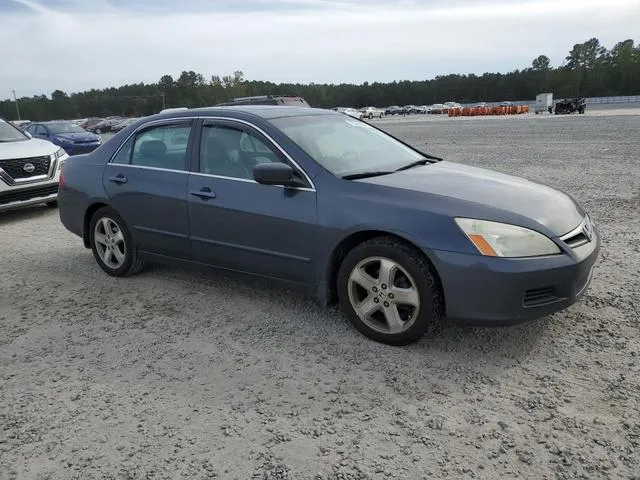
x=163, y=105
x=16, y=101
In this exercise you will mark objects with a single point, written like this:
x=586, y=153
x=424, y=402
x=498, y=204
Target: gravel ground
x=171, y=374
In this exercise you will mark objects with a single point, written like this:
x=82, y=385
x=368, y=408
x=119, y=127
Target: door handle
x=204, y=193
x=119, y=179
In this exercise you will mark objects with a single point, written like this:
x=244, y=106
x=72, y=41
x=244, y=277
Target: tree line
x=589, y=70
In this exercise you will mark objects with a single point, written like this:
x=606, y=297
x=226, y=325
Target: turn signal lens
x=482, y=245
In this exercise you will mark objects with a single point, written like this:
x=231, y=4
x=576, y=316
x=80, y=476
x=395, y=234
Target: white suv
x=29, y=169
x=370, y=112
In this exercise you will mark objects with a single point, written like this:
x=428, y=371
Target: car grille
x=539, y=296
x=578, y=239
x=15, y=167
x=580, y=235
x=27, y=194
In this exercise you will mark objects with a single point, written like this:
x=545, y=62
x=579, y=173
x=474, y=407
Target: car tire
x=112, y=244
x=413, y=286
x=52, y=204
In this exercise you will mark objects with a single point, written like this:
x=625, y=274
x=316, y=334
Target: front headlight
x=60, y=153
x=61, y=156
x=503, y=240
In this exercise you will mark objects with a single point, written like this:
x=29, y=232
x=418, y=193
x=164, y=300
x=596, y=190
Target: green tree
x=589, y=70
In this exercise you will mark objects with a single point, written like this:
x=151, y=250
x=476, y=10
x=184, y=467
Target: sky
x=75, y=45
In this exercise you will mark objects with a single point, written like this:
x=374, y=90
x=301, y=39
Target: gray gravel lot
x=172, y=374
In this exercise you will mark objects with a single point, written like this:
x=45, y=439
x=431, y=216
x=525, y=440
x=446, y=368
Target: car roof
x=266, y=112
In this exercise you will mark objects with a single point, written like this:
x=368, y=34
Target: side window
x=162, y=146
x=40, y=130
x=123, y=157
x=232, y=151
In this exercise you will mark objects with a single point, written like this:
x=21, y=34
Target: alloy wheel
x=383, y=295
x=109, y=241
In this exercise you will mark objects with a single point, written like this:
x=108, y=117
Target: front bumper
x=41, y=192
x=31, y=191
x=490, y=291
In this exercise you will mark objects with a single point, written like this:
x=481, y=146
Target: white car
x=29, y=169
x=352, y=112
x=370, y=112
x=450, y=105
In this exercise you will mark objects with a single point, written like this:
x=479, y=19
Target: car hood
x=33, y=147
x=75, y=137
x=556, y=210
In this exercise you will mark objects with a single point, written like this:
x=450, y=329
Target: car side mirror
x=276, y=173
x=28, y=134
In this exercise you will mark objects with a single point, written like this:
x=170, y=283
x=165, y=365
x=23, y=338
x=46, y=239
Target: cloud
x=81, y=44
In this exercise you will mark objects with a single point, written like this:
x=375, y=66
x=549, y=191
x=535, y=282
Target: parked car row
x=436, y=108
x=109, y=124
x=421, y=109
x=364, y=112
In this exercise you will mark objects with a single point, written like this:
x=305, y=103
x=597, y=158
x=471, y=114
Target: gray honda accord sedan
x=333, y=205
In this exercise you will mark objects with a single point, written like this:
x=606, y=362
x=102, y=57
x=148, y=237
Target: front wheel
x=112, y=244
x=389, y=291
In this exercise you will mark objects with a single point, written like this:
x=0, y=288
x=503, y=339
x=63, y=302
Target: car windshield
x=9, y=133
x=346, y=146
x=64, y=127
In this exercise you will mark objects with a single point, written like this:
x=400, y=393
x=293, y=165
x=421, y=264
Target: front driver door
x=146, y=182
x=239, y=224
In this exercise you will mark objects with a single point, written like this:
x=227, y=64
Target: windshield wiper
x=413, y=164
x=355, y=176
x=377, y=173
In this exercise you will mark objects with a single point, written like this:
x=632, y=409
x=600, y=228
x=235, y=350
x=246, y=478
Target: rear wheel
x=389, y=291
x=112, y=244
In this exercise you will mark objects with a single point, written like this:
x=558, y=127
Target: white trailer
x=544, y=102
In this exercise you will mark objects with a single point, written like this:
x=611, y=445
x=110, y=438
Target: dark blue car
x=72, y=138
x=335, y=206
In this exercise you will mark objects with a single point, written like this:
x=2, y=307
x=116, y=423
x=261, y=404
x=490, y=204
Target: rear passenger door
x=146, y=182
